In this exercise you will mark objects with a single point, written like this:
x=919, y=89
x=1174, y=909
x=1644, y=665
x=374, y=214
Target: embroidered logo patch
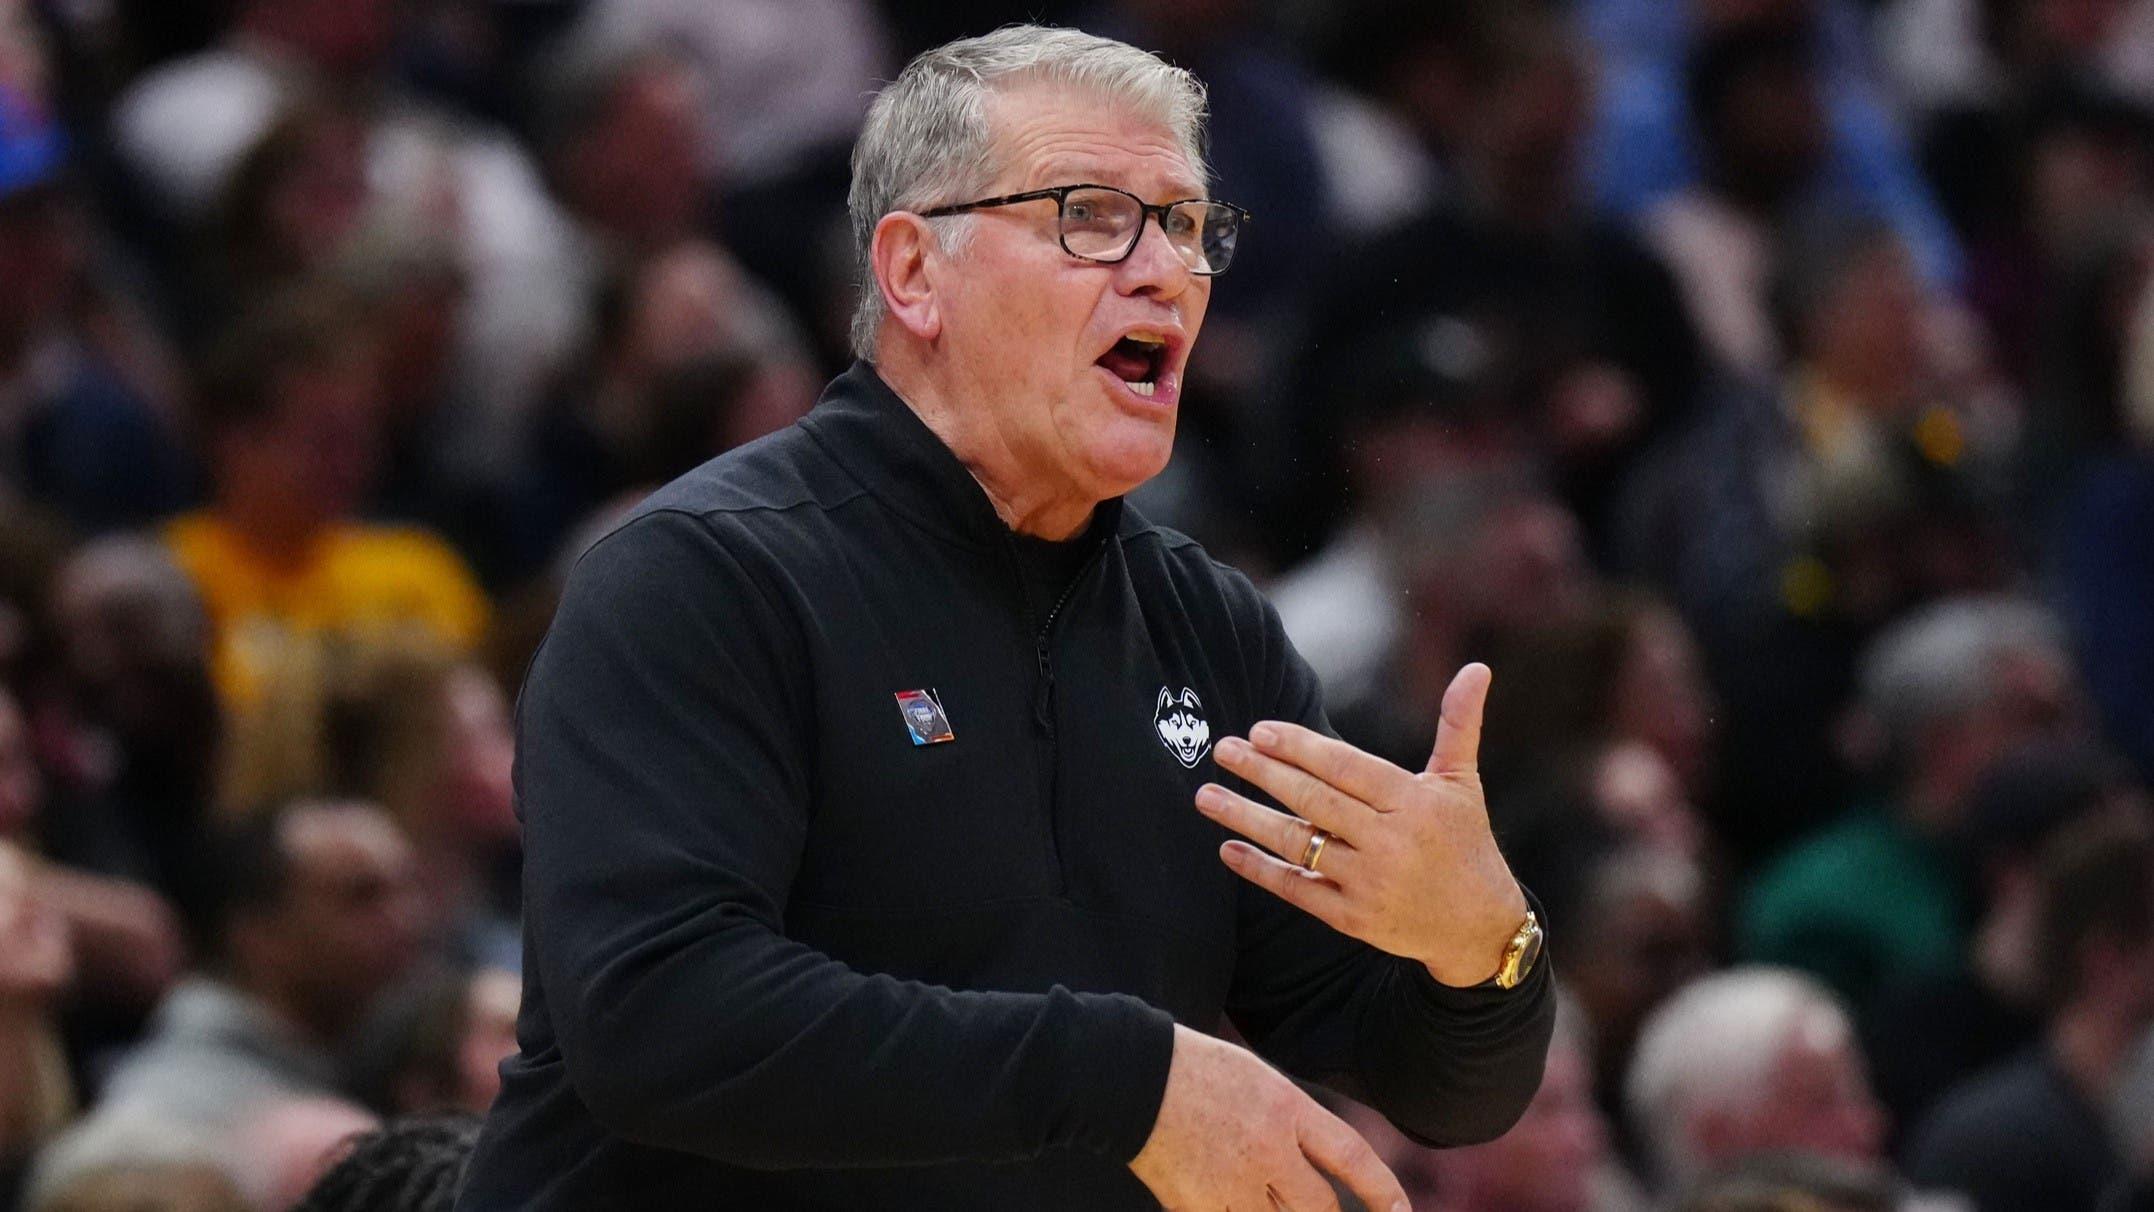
x=924, y=717
x=1179, y=720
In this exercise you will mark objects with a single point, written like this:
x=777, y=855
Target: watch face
x=1529, y=954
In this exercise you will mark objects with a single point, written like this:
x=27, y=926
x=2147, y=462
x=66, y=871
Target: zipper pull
x=1043, y=707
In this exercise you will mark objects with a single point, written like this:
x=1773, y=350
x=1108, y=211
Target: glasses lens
x=1213, y=229
x=1100, y=222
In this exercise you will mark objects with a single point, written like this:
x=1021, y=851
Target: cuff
x=1119, y=1060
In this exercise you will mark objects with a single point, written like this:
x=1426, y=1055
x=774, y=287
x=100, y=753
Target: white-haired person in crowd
x=1749, y=1061
x=1944, y=694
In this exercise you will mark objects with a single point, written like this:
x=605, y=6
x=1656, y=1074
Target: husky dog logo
x=1179, y=720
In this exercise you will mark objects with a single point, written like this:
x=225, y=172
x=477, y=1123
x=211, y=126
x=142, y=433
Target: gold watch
x=1519, y=956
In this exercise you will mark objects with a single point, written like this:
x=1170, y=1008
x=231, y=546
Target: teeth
x=1144, y=389
x=1147, y=338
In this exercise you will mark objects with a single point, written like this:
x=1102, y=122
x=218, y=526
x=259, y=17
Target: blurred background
x=1765, y=388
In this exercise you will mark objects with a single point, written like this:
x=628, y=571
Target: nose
x=1153, y=267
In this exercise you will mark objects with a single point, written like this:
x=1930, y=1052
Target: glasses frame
x=1061, y=194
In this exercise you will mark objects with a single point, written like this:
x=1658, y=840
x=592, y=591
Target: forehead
x=1051, y=135
x=342, y=839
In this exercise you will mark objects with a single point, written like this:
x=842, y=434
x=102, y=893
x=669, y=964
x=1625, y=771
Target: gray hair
x=1943, y=661
x=1712, y=1047
x=927, y=142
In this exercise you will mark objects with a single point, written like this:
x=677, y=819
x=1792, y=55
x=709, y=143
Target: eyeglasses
x=1102, y=223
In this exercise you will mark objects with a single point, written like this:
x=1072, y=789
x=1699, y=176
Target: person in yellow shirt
x=290, y=422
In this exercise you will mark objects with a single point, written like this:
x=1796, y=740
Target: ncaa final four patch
x=924, y=717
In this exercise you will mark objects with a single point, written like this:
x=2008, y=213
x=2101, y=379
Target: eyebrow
x=1075, y=173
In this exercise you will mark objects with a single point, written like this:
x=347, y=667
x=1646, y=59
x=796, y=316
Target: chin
x=1128, y=459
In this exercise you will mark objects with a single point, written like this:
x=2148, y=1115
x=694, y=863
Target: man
x=291, y=428
x=1878, y=896
x=785, y=952
x=318, y=915
x=1746, y=1062
x=2036, y=1131
x=82, y=432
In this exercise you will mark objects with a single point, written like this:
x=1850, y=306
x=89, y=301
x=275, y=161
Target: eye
x=1078, y=211
x=1180, y=222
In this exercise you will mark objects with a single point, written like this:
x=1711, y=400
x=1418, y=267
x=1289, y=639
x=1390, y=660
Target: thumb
x=1458, y=726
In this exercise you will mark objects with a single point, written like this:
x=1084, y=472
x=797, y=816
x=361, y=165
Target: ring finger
x=1286, y=836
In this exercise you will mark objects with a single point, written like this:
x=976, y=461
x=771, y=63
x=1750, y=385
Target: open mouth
x=1139, y=360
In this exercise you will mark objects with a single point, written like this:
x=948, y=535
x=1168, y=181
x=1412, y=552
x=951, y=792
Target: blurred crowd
x=1764, y=388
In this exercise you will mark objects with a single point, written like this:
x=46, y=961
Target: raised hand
x=1403, y=861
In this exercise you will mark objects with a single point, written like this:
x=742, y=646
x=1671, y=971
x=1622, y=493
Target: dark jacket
x=779, y=955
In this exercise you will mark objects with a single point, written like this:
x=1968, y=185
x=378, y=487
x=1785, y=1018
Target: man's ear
x=900, y=257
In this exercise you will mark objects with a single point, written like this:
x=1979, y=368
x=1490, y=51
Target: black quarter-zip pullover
x=780, y=955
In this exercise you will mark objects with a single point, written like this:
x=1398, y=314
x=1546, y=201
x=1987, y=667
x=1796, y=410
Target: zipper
x=1043, y=705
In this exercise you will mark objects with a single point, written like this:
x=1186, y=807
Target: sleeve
x=1447, y=1066
x=664, y=772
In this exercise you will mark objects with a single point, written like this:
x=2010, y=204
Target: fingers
x=1283, y=835
x=1311, y=798
x=1341, y=1151
x=1320, y=898
x=1458, y=730
x=1358, y=773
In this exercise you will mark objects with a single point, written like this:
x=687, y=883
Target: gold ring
x=1315, y=849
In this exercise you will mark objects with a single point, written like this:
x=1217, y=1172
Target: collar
x=861, y=422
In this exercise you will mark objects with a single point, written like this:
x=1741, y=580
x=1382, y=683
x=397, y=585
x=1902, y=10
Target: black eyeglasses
x=1102, y=223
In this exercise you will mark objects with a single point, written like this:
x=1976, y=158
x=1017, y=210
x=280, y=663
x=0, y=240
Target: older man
x=876, y=775
x=1750, y=1061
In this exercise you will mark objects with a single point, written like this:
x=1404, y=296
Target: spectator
x=1584, y=336
x=1877, y=895
x=184, y=127
x=295, y=200
x=1436, y=466
x=1643, y=145
x=86, y=425
x=437, y=1044
x=1797, y=516
x=782, y=88
x=428, y=738
x=318, y=917
x=1642, y=932
x=124, y=941
x=1745, y=1062
x=690, y=359
x=421, y=731
x=1604, y=733
x=2033, y=1132
x=1930, y=1030
x=291, y=425
x=1393, y=103
x=768, y=103
x=1754, y=99
x=130, y=730
x=410, y=1165
x=624, y=148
